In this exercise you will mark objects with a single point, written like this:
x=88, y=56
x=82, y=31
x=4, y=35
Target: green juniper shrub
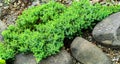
x=42, y=29
x=40, y=14
x=23, y=37
x=81, y=15
x=6, y=51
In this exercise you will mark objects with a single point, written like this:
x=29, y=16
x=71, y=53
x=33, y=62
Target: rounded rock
x=25, y=59
x=62, y=57
x=87, y=53
x=108, y=31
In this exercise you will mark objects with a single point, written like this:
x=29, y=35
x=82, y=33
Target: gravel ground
x=9, y=13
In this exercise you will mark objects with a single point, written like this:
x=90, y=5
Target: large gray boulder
x=25, y=59
x=87, y=53
x=108, y=31
x=62, y=57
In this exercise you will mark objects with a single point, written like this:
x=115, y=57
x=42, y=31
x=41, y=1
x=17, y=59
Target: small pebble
x=15, y=4
x=1, y=4
x=12, y=12
x=23, y=5
x=19, y=2
x=115, y=59
x=6, y=7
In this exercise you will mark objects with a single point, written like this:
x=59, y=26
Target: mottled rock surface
x=108, y=30
x=3, y=26
x=62, y=57
x=25, y=59
x=87, y=53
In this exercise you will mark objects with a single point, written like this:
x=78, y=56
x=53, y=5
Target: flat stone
x=108, y=31
x=88, y=53
x=62, y=57
x=25, y=59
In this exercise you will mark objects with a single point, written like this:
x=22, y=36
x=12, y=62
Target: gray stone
x=5, y=7
x=0, y=11
x=62, y=57
x=3, y=26
x=1, y=1
x=24, y=59
x=108, y=30
x=35, y=3
x=87, y=53
x=1, y=4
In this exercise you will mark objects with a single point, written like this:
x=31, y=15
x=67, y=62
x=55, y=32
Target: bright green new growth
x=2, y=61
x=42, y=29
